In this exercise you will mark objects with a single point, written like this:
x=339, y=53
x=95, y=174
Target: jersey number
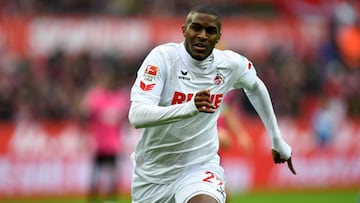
x=211, y=178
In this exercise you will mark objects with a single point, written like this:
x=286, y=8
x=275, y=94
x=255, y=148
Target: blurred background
x=53, y=52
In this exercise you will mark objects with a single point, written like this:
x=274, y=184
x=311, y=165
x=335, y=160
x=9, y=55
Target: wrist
x=282, y=147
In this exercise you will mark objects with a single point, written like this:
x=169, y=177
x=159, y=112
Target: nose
x=202, y=34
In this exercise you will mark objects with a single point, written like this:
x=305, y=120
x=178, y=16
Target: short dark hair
x=204, y=8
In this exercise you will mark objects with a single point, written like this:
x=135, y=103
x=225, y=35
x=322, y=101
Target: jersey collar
x=199, y=64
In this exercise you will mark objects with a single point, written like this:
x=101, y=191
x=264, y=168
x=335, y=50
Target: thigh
x=201, y=183
x=142, y=191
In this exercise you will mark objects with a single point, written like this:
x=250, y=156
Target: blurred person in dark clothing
x=6, y=96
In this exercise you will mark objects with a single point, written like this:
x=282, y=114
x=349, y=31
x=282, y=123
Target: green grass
x=316, y=196
x=324, y=196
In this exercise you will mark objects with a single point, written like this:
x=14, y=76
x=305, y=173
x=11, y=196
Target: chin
x=199, y=56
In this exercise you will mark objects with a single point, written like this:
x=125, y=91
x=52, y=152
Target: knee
x=202, y=198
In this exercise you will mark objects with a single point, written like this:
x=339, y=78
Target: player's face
x=201, y=33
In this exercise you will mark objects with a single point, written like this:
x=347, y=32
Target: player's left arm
x=260, y=99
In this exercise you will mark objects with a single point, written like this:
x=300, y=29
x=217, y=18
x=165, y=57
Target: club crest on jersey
x=149, y=77
x=219, y=78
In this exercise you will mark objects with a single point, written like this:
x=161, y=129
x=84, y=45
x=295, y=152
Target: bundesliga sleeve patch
x=148, y=81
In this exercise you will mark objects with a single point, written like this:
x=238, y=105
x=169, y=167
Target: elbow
x=254, y=86
x=137, y=116
x=133, y=121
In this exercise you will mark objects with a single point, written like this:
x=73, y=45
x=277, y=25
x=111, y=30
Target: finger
x=206, y=109
x=279, y=161
x=203, y=93
x=276, y=157
x=290, y=165
x=203, y=105
x=202, y=98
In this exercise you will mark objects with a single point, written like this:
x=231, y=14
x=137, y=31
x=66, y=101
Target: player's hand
x=203, y=102
x=277, y=159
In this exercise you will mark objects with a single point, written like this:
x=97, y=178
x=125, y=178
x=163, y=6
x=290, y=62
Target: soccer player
x=175, y=99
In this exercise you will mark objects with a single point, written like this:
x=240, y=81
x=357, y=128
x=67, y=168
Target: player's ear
x=219, y=37
x=183, y=28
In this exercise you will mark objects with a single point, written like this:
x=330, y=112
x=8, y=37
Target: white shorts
x=206, y=179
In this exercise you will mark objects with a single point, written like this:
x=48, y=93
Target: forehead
x=204, y=19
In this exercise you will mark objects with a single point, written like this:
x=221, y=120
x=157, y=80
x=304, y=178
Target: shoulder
x=242, y=70
x=168, y=48
x=161, y=54
x=232, y=58
x=161, y=58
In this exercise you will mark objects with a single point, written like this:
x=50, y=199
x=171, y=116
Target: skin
x=202, y=199
x=201, y=33
x=279, y=160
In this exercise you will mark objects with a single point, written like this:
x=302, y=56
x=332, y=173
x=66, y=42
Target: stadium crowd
x=51, y=88
x=135, y=7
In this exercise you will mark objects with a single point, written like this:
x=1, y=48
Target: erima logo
x=183, y=75
x=221, y=191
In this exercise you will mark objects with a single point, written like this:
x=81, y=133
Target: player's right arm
x=143, y=115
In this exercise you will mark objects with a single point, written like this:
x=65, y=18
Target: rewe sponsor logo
x=180, y=97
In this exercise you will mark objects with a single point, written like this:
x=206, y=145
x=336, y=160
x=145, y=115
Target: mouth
x=200, y=47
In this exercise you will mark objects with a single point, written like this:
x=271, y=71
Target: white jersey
x=170, y=76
